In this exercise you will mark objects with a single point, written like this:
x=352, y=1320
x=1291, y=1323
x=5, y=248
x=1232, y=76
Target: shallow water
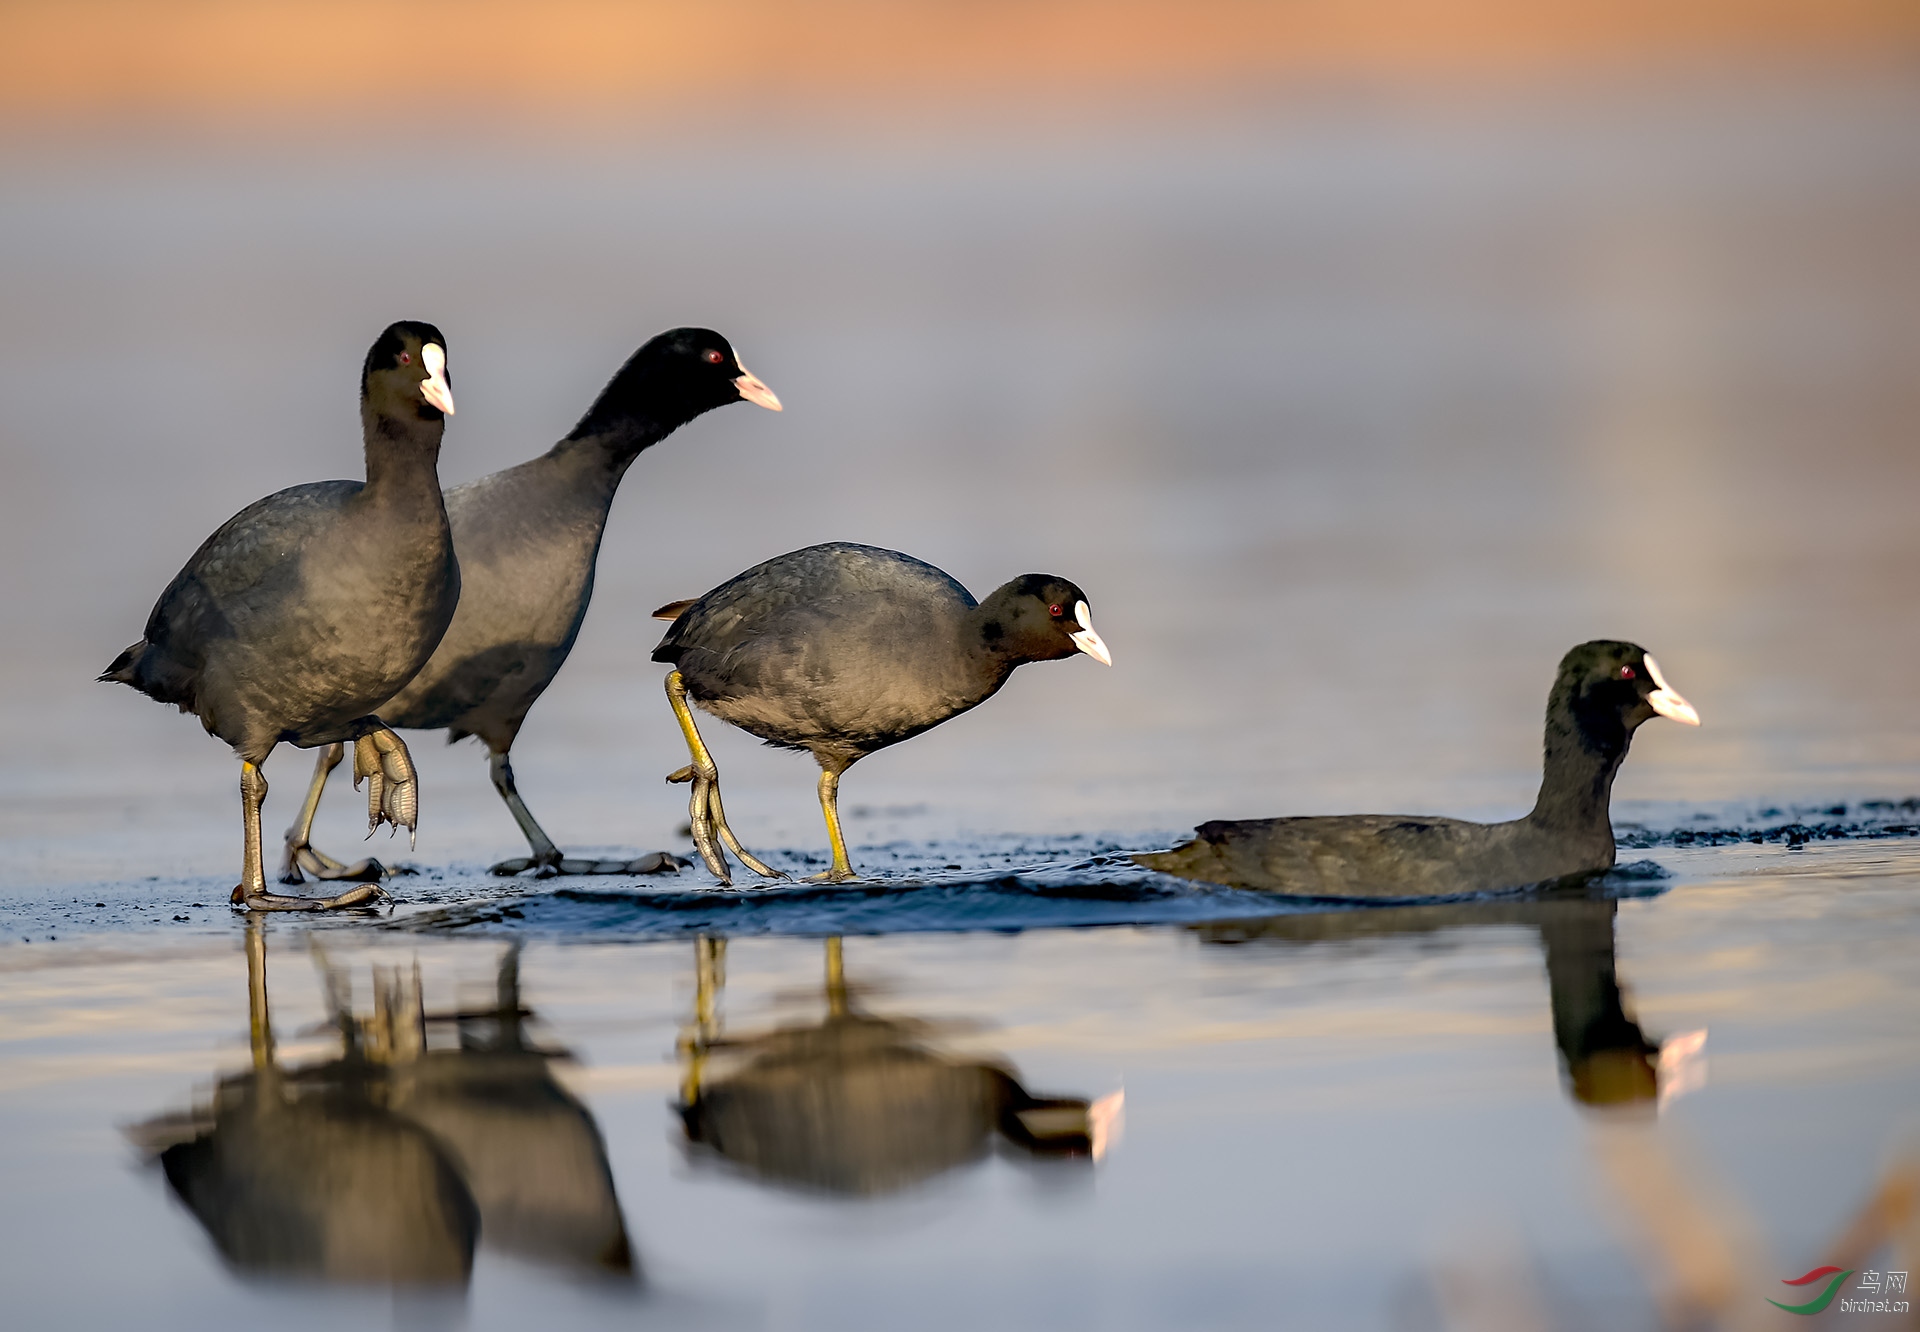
x=1350, y=417
x=1363, y=1118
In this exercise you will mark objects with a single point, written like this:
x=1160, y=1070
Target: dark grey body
x=306, y=610
x=837, y=649
x=1592, y=712
x=1384, y=855
x=528, y=538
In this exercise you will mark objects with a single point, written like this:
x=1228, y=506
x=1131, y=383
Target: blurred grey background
x=1352, y=407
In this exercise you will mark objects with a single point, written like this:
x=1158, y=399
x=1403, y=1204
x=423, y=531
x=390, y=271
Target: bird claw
x=393, y=796
x=362, y=896
x=708, y=822
x=654, y=862
x=302, y=856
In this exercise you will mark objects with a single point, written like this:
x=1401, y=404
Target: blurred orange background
x=108, y=57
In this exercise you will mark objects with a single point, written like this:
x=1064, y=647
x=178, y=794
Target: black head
x=1609, y=688
x=672, y=379
x=1038, y=617
x=405, y=375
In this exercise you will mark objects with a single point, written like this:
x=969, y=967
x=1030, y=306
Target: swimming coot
x=308, y=609
x=842, y=650
x=528, y=538
x=1604, y=690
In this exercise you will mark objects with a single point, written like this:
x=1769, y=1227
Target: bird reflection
x=1614, y=1071
x=389, y=1163
x=1605, y=1057
x=860, y=1105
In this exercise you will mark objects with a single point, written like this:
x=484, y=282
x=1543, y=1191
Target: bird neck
x=403, y=456
x=991, y=632
x=639, y=407
x=610, y=447
x=1584, y=749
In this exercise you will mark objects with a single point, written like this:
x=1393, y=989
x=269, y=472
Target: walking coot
x=1604, y=690
x=528, y=538
x=842, y=650
x=308, y=609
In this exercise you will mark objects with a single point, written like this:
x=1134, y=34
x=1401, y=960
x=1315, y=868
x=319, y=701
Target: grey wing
x=1384, y=855
x=800, y=586
x=257, y=549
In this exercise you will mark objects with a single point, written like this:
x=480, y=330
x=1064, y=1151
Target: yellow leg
x=704, y=811
x=745, y=857
x=253, y=794
x=702, y=774
x=251, y=892
x=842, y=870
x=301, y=854
x=302, y=830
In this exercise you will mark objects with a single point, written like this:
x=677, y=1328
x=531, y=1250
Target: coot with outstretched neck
x=528, y=539
x=1604, y=691
x=308, y=609
x=841, y=650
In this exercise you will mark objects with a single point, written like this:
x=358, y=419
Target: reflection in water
x=857, y=1104
x=388, y=1163
x=1703, y=1256
x=1605, y=1056
x=1700, y=1255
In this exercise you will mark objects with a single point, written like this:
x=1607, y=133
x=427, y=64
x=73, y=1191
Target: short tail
x=154, y=674
x=125, y=667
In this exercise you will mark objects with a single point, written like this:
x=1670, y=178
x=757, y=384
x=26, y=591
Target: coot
x=842, y=650
x=308, y=609
x=528, y=538
x=1604, y=690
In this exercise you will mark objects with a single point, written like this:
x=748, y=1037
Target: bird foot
x=545, y=865
x=361, y=896
x=835, y=875
x=393, y=796
x=707, y=820
x=301, y=856
x=654, y=862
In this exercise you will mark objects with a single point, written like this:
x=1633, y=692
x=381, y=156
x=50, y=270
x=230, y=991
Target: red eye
x=406, y=358
x=1626, y=672
x=712, y=357
x=1055, y=612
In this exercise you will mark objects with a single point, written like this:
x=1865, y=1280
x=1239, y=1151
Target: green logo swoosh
x=1818, y=1302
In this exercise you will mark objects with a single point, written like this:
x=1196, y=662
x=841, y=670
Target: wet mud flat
x=592, y=1108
